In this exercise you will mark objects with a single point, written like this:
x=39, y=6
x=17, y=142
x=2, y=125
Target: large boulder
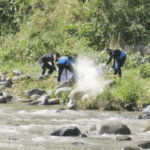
x=72, y=104
x=130, y=148
x=67, y=83
x=1, y=93
x=114, y=128
x=35, y=92
x=7, y=83
x=144, y=144
x=54, y=101
x=67, y=131
x=8, y=96
x=50, y=92
x=35, y=97
x=17, y=79
x=66, y=90
x=146, y=110
x=3, y=99
x=78, y=93
x=123, y=138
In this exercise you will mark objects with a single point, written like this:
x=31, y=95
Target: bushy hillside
x=29, y=28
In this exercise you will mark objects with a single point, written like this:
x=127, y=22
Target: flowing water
x=29, y=127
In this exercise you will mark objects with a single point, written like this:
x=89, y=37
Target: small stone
x=123, y=138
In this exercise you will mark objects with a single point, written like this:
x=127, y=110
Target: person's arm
x=52, y=62
x=109, y=60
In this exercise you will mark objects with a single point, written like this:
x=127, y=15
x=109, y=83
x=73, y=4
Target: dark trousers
x=120, y=64
x=61, y=67
x=45, y=65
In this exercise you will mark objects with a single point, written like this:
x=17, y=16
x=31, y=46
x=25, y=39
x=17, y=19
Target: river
x=29, y=127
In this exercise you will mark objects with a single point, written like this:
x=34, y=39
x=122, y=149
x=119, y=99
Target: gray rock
x=144, y=144
x=43, y=98
x=35, y=103
x=146, y=110
x=44, y=102
x=17, y=79
x=3, y=99
x=123, y=138
x=130, y=148
x=6, y=83
x=27, y=101
x=54, y=101
x=82, y=135
x=138, y=117
x=35, y=92
x=67, y=131
x=1, y=93
x=72, y=104
x=35, y=97
x=78, y=143
x=50, y=92
x=147, y=116
x=78, y=93
x=109, y=83
x=66, y=90
x=93, y=127
x=114, y=128
x=8, y=96
x=14, y=85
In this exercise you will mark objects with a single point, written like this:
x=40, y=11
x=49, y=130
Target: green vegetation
x=64, y=98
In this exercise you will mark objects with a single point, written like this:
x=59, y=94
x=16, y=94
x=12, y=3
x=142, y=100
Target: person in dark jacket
x=65, y=62
x=118, y=58
x=44, y=63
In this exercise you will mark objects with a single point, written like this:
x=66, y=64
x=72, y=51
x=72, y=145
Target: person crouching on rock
x=118, y=58
x=44, y=63
x=65, y=62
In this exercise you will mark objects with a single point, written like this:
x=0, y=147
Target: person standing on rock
x=44, y=63
x=65, y=62
x=118, y=58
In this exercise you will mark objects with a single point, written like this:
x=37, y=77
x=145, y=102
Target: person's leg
x=120, y=64
x=51, y=69
x=42, y=64
x=61, y=67
x=71, y=69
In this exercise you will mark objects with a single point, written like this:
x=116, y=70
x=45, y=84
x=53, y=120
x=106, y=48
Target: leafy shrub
x=64, y=98
x=53, y=95
x=145, y=71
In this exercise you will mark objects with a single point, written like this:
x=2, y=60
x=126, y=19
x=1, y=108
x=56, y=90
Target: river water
x=29, y=127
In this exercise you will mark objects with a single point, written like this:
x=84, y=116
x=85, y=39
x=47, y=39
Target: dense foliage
x=29, y=28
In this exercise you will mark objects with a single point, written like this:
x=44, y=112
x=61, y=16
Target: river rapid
x=29, y=127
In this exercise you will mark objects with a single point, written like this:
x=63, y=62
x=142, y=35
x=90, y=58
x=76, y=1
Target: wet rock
x=66, y=90
x=114, y=128
x=138, y=117
x=67, y=131
x=146, y=110
x=8, y=96
x=109, y=83
x=78, y=93
x=54, y=101
x=82, y=135
x=34, y=103
x=44, y=102
x=147, y=128
x=11, y=139
x=130, y=148
x=60, y=110
x=43, y=98
x=93, y=127
x=27, y=101
x=35, y=92
x=144, y=144
x=3, y=99
x=123, y=138
x=35, y=97
x=17, y=79
x=1, y=93
x=78, y=143
x=147, y=116
x=72, y=104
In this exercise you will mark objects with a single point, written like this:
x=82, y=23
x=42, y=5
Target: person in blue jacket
x=65, y=62
x=118, y=58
